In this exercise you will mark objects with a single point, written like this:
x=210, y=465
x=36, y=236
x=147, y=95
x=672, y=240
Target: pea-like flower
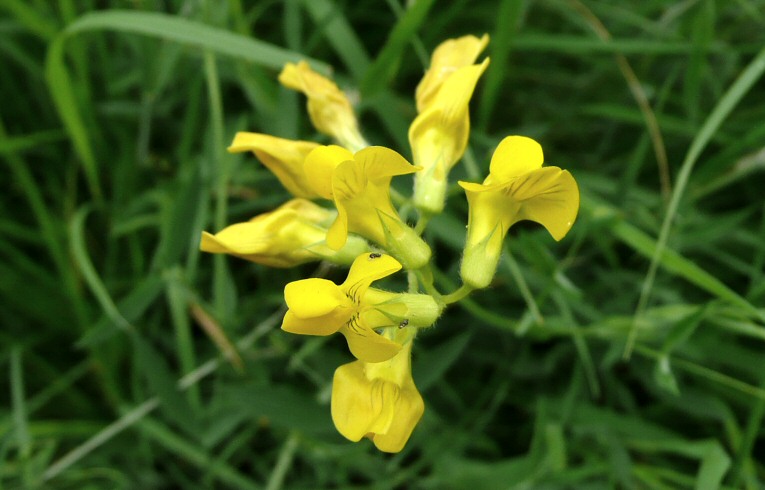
x=283, y=157
x=329, y=108
x=377, y=400
x=439, y=134
x=321, y=307
x=517, y=188
x=292, y=234
x=359, y=184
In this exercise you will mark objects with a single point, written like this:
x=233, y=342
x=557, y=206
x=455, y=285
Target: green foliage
x=132, y=359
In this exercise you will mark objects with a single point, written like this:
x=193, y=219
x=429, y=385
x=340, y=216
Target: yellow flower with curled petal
x=359, y=184
x=439, y=134
x=447, y=58
x=283, y=157
x=330, y=110
x=377, y=400
x=292, y=234
x=517, y=188
x=321, y=307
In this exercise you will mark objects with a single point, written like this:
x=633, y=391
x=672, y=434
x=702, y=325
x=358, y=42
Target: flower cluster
x=342, y=213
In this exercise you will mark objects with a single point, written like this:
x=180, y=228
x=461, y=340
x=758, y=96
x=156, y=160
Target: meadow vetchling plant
x=375, y=396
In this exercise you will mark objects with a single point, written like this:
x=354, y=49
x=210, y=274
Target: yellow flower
x=447, y=58
x=284, y=158
x=321, y=307
x=320, y=166
x=439, y=134
x=360, y=187
x=377, y=400
x=331, y=112
x=517, y=188
x=290, y=235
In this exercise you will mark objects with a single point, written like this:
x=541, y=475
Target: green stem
x=425, y=276
x=221, y=172
x=515, y=271
x=457, y=295
x=581, y=346
x=422, y=223
x=413, y=283
x=483, y=314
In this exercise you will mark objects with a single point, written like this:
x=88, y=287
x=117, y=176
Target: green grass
x=629, y=355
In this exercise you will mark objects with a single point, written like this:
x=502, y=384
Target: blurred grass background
x=629, y=355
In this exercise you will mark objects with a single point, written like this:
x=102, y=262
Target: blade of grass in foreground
x=732, y=97
x=191, y=33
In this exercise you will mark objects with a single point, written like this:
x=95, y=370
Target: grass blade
x=190, y=33
x=386, y=64
x=330, y=20
x=732, y=97
x=92, y=278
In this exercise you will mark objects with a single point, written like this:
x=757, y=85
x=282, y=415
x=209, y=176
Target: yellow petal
x=367, y=345
x=337, y=234
x=389, y=315
x=515, y=156
x=212, y=245
x=321, y=325
x=375, y=296
x=489, y=209
x=408, y=412
x=438, y=136
x=455, y=94
x=487, y=226
x=472, y=186
x=316, y=87
x=320, y=164
x=292, y=234
x=284, y=158
x=381, y=163
x=360, y=406
x=310, y=298
x=259, y=240
x=251, y=237
x=378, y=400
x=309, y=211
x=361, y=189
x=449, y=56
x=357, y=199
x=329, y=108
x=366, y=269
x=548, y=196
